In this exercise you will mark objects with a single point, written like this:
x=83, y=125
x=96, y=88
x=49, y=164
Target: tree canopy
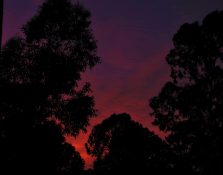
x=1, y=21
x=190, y=106
x=123, y=146
x=40, y=100
x=57, y=47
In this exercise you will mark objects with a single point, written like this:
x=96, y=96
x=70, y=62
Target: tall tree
x=40, y=100
x=190, y=106
x=123, y=146
x=1, y=21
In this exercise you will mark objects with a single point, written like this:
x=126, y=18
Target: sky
x=133, y=38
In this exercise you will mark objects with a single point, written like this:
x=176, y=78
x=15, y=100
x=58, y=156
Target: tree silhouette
x=40, y=100
x=1, y=21
x=123, y=146
x=190, y=106
x=38, y=150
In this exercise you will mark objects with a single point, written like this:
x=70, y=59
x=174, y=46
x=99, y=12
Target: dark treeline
x=41, y=102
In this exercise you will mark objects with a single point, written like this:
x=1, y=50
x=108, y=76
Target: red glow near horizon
x=133, y=39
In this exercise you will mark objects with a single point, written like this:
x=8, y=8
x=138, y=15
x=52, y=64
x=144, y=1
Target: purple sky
x=133, y=38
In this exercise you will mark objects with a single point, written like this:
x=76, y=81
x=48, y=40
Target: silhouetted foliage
x=57, y=46
x=190, y=106
x=37, y=150
x=39, y=74
x=123, y=146
x=1, y=21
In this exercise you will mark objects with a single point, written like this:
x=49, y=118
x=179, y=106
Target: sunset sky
x=133, y=38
